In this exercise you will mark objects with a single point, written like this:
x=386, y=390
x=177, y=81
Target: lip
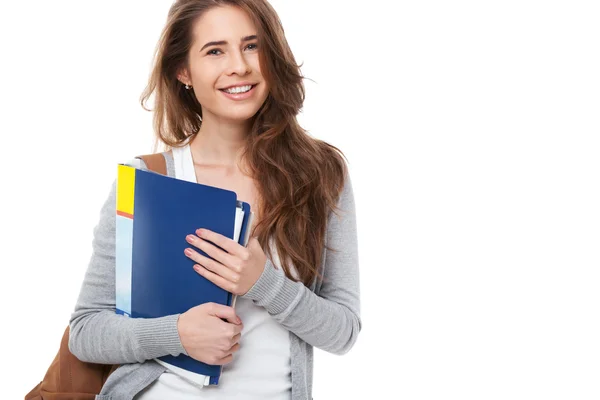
x=239, y=96
x=239, y=84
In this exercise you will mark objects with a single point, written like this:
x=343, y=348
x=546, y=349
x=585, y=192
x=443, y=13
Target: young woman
x=227, y=92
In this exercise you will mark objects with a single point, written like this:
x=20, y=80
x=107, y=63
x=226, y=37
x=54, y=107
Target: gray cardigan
x=326, y=315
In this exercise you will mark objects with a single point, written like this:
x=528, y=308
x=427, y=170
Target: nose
x=238, y=64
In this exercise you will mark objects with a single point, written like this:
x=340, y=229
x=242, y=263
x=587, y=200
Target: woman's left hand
x=236, y=269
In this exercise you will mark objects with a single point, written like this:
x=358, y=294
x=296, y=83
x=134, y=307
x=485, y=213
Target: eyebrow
x=224, y=42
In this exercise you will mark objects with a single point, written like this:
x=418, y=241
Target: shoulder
x=335, y=170
x=155, y=162
x=345, y=200
x=136, y=163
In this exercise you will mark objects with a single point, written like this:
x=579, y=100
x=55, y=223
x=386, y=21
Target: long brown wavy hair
x=299, y=178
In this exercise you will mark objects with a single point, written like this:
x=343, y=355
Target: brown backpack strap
x=69, y=378
x=155, y=162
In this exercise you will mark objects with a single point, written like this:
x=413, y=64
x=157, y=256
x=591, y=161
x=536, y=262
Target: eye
x=253, y=44
x=210, y=52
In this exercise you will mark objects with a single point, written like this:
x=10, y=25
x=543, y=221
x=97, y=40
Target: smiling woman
x=224, y=65
x=227, y=92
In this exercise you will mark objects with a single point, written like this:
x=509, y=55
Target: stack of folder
x=154, y=278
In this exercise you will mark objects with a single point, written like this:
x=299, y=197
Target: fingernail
x=188, y=252
x=190, y=238
x=239, y=321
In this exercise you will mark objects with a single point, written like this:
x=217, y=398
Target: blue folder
x=163, y=281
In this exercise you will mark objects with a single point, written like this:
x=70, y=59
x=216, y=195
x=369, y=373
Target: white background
x=472, y=131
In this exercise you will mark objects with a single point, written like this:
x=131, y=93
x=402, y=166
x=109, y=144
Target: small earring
x=188, y=87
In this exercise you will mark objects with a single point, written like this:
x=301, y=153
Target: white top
x=260, y=368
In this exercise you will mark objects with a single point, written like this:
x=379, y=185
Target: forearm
x=97, y=333
x=104, y=337
x=329, y=320
x=323, y=323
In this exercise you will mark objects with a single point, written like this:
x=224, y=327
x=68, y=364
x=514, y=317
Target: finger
x=234, y=348
x=253, y=242
x=227, y=244
x=216, y=279
x=212, y=265
x=225, y=360
x=229, y=357
x=237, y=329
x=236, y=338
x=210, y=250
x=226, y=312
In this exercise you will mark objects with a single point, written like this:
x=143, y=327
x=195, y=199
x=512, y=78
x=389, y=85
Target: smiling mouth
x=239, y=89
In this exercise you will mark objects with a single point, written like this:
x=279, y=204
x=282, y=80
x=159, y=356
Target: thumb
x=253, y=244
x=225, y=312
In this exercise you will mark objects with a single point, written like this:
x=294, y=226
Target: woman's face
x=224, y=55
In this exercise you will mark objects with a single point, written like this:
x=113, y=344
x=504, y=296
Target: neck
x=219, y=144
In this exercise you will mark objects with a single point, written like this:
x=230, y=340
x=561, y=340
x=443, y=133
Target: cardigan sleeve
x=330, y=320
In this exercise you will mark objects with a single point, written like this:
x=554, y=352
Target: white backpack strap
x=184, y=163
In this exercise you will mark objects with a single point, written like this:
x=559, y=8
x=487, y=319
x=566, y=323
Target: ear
x=183, y=76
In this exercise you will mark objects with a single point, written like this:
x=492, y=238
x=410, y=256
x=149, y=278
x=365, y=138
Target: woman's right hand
x=206, y=337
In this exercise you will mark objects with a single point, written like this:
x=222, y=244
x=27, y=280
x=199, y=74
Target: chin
x=240, y=115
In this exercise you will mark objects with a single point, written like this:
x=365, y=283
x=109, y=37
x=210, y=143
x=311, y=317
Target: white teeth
x=239, y=89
